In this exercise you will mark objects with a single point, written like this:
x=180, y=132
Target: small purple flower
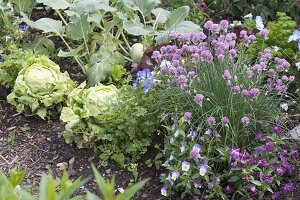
x=227, y=75
x=199, y=99
x=276, y=128
x=259, y=135
x=1, y=59
x=294, y=154
x=224, y=24
x=22, y=26
x=185, y=166
x=175, y=175
x=276, y=195
x=252, y=189
x=235, y=153
x=269, y=146
x=225, y=120
x=197, y=183
x=267, y=178
x=203, y=169
x=245, y=121
x=195, y=153
x=261, y=162
x=264, y=33
x=228, y=189
x=164, y=191
x=187, y=116
x=211, y=120
x=202, y=5
x=208, y=132
x=182, y=147
x=173, y=35
x=236, y=89
x=287, y=188
x=280, y=169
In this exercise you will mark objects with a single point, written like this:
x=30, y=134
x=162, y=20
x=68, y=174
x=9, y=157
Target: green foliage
x=25, y=6
x=119, y=127
x=102, y=26
x=51, y=188
x=107, y=189
x=265, y=8
x=14, y=59
x=279, y=32
x=7, y=185
x=40, y=88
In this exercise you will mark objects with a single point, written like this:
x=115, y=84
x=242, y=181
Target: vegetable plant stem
x=125, y=40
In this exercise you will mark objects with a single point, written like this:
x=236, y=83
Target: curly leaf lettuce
x=40, y=87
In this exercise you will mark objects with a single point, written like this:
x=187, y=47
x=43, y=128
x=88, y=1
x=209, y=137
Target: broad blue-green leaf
x=78, y=27
x=135, y=27
x=101, y=65
x=88, y=6
x=72, y=53
x=143, y=6
x=186, y=27
x=24, y=5
x=56, y=4
x=41, y=46
x=161, y=15
x=48, y=25
x=176, y=16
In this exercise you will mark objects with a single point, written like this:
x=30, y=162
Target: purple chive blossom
x=228, y=189
x=173, y=35
x=276, y=128
x=225, y=120
x=224, y=24
x=202, y=5
x=187, y=116
x=199, y=99
x=208, y=24
x=245, y=120
x=197, y=183
x=175, y=175
x=264, y=33
x=164, y=191
x=203, y=169
x=236, y=89
x=185, y=166
x=269, y=146
x=195, y=153
x=260, y=135
x=227, y=75
x=235, y=153
x=22, y=26
x=211, y=120
x=280, y=169
x=191, y=74
x=287, y=188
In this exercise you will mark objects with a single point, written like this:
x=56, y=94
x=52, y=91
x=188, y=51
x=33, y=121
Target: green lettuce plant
x=116, y=123
x=40, y=88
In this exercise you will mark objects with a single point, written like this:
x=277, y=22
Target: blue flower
x=295, y=37
x=22, y=26
x=146, y=77
x=1, y=59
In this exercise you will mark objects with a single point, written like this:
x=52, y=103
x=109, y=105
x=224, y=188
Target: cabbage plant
x=117, y=123
x=40, y=88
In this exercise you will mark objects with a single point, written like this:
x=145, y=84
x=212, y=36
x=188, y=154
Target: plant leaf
x=89, y=6
x=72, y=53
x=129, y=192
x=186, y=27
x=56, y=4
x=78, y=27
x=176, y=16
x=101, y=65
x=161, y=15
x=143, y=6
x=135, y=27
x=48, y=25
x=41, y=46
x=24, y=5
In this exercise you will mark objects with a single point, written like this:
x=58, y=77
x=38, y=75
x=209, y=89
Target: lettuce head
x=40, y=88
